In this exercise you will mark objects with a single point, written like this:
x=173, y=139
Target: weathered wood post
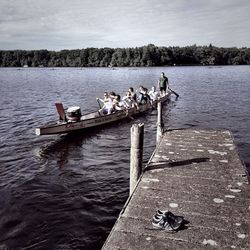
x=136, y=152
x=159, y=121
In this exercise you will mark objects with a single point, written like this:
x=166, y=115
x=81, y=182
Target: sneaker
x=175, y=221
x=157, y=218
x=162, y=224
x=161, y=212
x=164, y=213
x=167, y=220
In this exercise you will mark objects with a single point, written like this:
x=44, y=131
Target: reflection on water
x=65, y=192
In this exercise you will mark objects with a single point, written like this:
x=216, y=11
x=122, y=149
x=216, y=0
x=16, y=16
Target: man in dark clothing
x=163, y=84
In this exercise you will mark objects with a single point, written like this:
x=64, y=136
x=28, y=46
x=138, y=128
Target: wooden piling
x=159, y=122
x=136, y=154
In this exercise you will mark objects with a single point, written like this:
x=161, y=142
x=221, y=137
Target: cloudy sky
x=72, y=24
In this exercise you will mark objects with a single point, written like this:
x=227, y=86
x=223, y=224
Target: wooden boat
x=91, y=120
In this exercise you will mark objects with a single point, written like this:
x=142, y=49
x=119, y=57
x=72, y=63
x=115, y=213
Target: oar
x=97, y=99
x=129, y=116
x=173, y=92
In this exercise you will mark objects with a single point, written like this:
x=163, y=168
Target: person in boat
x=112, y=95
x=143, y=95
x=105, y=99
x=129, y=101
x=132, y=93
x=153, y=94
x=163, y=84
x=108, y=106
x=117, y=103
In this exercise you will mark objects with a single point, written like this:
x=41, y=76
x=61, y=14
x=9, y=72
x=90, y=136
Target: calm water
x=65, y=192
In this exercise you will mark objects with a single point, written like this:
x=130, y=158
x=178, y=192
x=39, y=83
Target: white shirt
x=153, y=95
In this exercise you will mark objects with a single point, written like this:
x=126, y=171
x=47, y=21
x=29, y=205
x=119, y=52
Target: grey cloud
x=59, y=24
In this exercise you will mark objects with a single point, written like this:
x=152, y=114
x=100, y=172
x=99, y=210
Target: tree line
x=149, y=55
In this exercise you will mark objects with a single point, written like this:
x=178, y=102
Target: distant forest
x=149, y=55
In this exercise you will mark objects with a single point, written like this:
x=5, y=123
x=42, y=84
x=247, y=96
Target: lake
x=65, y=192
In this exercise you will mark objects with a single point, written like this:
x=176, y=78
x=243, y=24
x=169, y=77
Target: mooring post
x=159, y=122
x=136, y=152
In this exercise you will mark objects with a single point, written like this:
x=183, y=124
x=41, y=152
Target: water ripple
x=65, y=192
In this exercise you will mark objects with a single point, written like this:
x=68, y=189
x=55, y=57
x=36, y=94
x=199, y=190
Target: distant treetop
x=149, y=55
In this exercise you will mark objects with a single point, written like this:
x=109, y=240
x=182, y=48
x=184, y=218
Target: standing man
x=163, y=84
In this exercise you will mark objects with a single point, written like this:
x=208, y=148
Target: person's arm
x=101, y=100
x=135, y=104
x=151, y=94
x=126, y=102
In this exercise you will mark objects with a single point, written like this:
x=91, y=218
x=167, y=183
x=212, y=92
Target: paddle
x=97, y=99
x=129, y=116
x=173, y=92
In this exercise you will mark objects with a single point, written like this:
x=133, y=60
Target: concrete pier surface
x=195, y=173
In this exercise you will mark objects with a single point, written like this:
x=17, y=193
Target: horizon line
x=107, y=47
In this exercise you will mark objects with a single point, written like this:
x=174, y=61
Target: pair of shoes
x=167, y=221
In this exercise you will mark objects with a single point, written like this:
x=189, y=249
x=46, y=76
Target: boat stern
x=38, y=131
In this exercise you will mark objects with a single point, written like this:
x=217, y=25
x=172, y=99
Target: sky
x=76, y=24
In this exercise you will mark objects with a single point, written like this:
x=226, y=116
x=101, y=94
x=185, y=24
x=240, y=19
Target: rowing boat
x=93, y=119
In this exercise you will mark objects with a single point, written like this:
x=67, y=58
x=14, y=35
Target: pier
x=197, y=174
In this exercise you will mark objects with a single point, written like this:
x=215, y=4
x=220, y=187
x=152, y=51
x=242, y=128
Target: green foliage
x=149, y=55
